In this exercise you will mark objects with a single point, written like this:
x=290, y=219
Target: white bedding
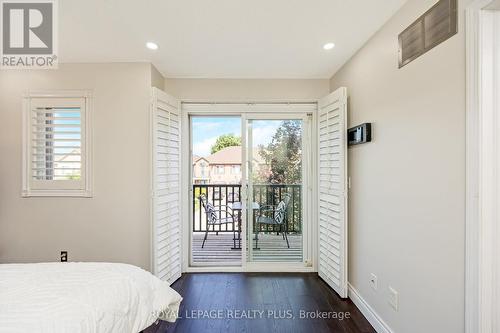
x=82, y=298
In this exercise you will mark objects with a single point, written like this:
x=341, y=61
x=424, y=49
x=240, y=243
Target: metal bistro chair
x=274, y=215
x=214, y=216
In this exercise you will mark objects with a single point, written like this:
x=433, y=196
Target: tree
x=283, y=155
x=283, y=166
x=225, y=140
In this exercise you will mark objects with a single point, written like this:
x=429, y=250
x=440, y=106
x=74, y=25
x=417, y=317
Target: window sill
x=57, y=193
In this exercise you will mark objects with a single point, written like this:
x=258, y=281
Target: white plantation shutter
x=332, y=196
x=56, y=146
x=166, y=186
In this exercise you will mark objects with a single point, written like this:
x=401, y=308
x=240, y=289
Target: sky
x=207, y=129
x=65, y=132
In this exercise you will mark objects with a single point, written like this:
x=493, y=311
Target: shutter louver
x=56, y=143
x=166, y=187
x=332, y=196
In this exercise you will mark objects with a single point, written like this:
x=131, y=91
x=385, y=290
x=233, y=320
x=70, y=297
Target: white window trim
x=87, y=192
x=482, y=235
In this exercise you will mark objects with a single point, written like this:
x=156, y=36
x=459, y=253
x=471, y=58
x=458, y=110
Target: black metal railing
x=226, y=195
x=272, y=195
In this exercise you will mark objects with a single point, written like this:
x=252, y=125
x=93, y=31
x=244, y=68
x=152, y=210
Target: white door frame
x=243, y=109
x=483, y=166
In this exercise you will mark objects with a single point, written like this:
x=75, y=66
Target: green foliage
x=197, y=192
x=225, y=140
x=283, y=155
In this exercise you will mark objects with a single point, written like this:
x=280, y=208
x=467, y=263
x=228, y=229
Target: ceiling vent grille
x=431, y=29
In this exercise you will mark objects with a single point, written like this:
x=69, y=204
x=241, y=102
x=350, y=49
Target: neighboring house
x=201, y=170
x=223, y=167
x=69, y=165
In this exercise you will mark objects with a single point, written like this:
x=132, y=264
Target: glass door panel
x=216, y=191
x=275, y=177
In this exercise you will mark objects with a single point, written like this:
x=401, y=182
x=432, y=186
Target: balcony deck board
x=218, y=250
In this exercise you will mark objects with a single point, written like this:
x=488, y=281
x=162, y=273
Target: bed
x=82, y=297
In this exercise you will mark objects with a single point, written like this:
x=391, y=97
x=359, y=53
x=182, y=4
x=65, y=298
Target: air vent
x=431, y=29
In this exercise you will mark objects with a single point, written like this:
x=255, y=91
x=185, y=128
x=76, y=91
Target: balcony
x=223, y=245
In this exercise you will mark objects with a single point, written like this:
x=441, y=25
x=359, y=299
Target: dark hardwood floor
x=261, y=303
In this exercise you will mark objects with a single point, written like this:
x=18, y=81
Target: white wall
x=114, y=224
x=247, y=90
x=157, y=79
x=407, y=220
x=495, y=5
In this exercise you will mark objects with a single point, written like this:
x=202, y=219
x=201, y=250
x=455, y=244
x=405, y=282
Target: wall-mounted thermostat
x=359, y=134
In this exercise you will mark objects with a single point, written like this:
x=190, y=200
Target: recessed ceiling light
x=152, y=46
x=329, y=46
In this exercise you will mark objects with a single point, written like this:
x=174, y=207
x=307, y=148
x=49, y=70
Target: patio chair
x=214, y=215
x=274, y=215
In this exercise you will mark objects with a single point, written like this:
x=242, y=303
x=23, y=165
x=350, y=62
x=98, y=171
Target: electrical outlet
x=393, y=298
x=64, y=256
x=373, y=281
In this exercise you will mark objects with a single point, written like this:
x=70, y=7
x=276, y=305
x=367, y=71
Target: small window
x=219, y=169
x=56, y=155
x=236, y=169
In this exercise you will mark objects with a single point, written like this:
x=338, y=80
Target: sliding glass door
x=276, y=163
x=249, y=193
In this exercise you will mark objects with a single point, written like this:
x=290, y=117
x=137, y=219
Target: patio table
x=237, y=207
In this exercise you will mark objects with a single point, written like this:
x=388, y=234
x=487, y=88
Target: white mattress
x=82, y=297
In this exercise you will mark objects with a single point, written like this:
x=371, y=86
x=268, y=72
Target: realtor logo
x=28, y=34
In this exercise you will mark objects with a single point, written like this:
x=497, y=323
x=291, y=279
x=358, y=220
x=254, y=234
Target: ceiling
x=222, y=38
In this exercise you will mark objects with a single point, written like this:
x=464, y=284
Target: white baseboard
x=377, y=322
